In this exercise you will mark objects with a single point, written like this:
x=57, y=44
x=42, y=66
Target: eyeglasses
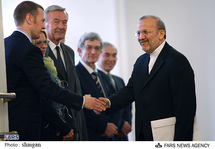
x=144, y=32
x=90, y=48
x=40, y=43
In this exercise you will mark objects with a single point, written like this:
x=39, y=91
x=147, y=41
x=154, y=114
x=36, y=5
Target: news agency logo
x=158, y=145
x=8, y=137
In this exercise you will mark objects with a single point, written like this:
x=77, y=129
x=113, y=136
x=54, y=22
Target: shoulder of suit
x=114, y=76
x=66, y=46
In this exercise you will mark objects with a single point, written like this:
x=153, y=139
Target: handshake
x=98, y=105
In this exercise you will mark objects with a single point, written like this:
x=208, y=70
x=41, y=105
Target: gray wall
x=190, y=28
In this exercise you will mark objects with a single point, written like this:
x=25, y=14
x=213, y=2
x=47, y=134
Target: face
x=150, y=36
x=38, y=24
x=56, y=26
x=42, y=43
x=107, y=58
x=90, y=52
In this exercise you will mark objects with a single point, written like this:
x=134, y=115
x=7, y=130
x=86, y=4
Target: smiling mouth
x=142, y=43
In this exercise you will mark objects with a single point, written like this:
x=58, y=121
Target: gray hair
x=54, y=8
x=105, y=44
x=159, y=22
x=89, y=36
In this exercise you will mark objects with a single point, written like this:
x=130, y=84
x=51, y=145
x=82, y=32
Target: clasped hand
x=93, y=103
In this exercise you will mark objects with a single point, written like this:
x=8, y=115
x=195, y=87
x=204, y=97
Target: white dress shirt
x=52, y=47
x=154, y=56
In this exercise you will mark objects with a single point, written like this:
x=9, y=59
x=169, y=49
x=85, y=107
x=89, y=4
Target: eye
x=146, y=32
x=64, y=22
x=97, y=48
x=38, y=43
x=56, y=21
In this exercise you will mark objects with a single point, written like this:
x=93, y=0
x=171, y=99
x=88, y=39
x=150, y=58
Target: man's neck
x=91, y=65
x=56, y=42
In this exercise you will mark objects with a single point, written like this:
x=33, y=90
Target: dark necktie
x=112, y=81
x=95, y=77
x=59, y=59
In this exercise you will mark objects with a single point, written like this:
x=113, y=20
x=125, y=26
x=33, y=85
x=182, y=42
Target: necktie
x=111, y=81
x=149, y=65
x=59, y=59
x=95, y=77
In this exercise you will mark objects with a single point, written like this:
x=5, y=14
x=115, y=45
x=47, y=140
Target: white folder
x=164, y=129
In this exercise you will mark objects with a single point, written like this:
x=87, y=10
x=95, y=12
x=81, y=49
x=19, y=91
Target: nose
x=60, y=25
x=141, y=36
x=93, y=50
x=43, y=25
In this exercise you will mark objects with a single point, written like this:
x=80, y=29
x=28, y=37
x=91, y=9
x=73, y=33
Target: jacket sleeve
x=36, y=73
x=184, y=99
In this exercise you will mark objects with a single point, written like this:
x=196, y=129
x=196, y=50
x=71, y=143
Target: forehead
x=40, y=13
x=57, y=14
x=148, y=23
x=42, y=37
x=95, y=42
x=109, y=49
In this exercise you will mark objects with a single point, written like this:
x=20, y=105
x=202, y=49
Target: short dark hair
x=23, y=9
x=159, y=22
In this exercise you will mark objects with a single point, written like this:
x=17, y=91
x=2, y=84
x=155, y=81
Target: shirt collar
x=25, y=33
x=89, y=69
x=103, y=70
x=157, y=51
x=52, y=45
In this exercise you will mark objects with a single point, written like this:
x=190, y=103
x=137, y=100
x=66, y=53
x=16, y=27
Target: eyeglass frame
x=90, y=48
x=41, y=43
x=145, y=32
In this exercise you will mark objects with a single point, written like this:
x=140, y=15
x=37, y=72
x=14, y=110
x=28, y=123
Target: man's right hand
x=92, y=103
x=106, y=101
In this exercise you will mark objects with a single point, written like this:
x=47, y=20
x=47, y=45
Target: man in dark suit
x=28, y=77
x=106, y=62
x=56, y=19
x=163, y=90
x=100, y=127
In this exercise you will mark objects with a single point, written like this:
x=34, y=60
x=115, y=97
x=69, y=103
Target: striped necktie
x=95, y=77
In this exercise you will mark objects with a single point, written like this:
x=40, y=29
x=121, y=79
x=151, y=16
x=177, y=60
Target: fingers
x=105, y=101
x=94, y=104
x=69, y=136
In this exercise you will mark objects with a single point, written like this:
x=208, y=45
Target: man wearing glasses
x=95, y=82
x=162, y=86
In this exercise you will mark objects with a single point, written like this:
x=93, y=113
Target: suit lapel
x=70, y=67
x=86, y=77
x=159, y=62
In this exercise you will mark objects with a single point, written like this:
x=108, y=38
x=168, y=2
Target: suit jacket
x=28, y=78
x=126, y=114
x=168, y=91
x=96, y=124
x=73, y=85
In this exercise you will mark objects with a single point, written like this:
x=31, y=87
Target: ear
x=79, y=51
x=162, y=33
x=29, y=18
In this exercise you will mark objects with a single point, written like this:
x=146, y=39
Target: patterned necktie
x=95, y=77
x=59, y=59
